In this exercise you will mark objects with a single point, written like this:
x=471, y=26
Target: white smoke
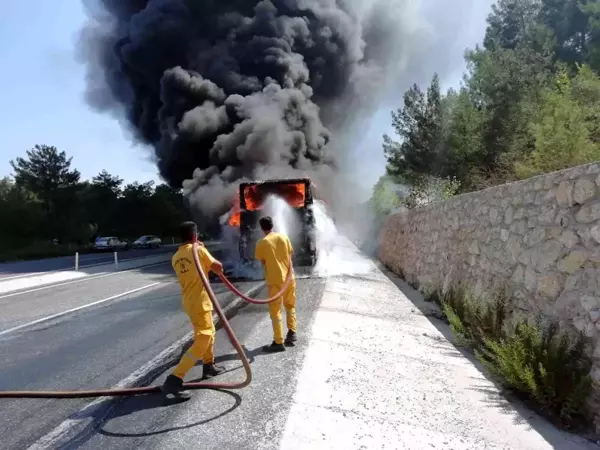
x=336, y=254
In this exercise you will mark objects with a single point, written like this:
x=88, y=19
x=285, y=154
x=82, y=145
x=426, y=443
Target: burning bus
x=252, y=203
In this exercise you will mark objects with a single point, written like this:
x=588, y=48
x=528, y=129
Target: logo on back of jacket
x=183, y=263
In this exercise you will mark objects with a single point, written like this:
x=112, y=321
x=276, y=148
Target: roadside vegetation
x=47, y=210
x=547, y=368
x=529, y=104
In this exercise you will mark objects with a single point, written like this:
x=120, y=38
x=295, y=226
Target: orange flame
x=294, y=194
x=234, y=219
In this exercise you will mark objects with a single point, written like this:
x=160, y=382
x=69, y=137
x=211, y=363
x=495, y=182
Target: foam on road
x=369, y=371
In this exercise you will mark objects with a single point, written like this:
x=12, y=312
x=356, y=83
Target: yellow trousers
x=203, y=346
x=289, y=302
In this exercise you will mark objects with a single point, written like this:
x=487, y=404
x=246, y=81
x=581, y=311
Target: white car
x=110, y=243
x=148, y=241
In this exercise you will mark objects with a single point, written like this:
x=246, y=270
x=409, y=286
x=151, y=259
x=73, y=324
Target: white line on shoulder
x=54, y=316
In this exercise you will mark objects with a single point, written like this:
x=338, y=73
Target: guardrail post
x=116, y=261
x=76, y=261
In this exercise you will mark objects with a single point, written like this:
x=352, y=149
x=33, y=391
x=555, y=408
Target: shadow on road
x=250, y=354
x=141, y=403
x=147, y=402
x=496, y=395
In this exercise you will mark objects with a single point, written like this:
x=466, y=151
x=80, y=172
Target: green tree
x=101, y=198
x=568, y=21
x=420, y=126
x=510, y=23
x=592, y=9
x=135, y=211
x=21, y=215
x=168, y=210
x=465, y=139
x=108, y=183
x=47, y=174
x=567, y=131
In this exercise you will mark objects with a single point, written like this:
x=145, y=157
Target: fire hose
x=193, y=385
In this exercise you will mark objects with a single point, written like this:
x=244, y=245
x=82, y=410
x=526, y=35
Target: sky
x=42, y=87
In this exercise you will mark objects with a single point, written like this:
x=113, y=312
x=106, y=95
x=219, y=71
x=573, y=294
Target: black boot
x=172, y=389
x=211, y=370
x=290, y=338
x=274, y=348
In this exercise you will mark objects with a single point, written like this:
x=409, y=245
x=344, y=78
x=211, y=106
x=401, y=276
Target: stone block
x=573, y=261
x=547, y=215
x=535, y=236
x=519, y=227
x=588, y=213
x=589, y=303
x=573, y=282
x=514, y=247
x=494, y=216
x=528, y=198
x=530, y=280
x=569, y=239
x=545, y=255
x=539, y=183
x=518, y=275
x=568, y=305
x=595, y=256
x=584, y=190
x=508, y=215
x=519, y=214
x=564, y=194
x=595, y=233
x=549, y=286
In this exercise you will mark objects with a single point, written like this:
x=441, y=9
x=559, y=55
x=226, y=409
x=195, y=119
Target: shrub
x=545, y=365
x=472, y=319
x=536, y=361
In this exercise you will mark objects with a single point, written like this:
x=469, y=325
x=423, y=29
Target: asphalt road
x=95, y=347
x=252, y=418
x=24, y=268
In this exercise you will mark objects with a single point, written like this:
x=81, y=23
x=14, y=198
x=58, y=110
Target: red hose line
x=255, y=301
x=197, y=385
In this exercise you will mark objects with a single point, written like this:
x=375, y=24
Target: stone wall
x=538, y=237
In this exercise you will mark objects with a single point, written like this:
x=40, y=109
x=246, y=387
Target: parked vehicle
x=111, y=243
x=148, y=241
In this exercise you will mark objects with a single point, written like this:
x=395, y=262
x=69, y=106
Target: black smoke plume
x=228, y=90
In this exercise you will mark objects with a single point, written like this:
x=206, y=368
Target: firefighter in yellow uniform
x=197, y=305
x=275, y=251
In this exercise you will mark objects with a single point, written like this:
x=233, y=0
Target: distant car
x=110, y=243
x=148, y=241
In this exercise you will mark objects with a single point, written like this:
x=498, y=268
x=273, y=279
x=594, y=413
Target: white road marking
x=54, y=316
x=50, y=286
